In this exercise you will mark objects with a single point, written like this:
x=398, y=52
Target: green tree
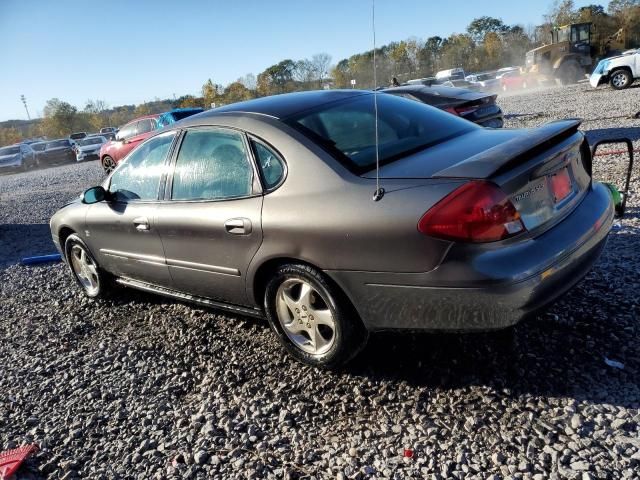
x=59, y=118
x=480, y=27
x=562, y=12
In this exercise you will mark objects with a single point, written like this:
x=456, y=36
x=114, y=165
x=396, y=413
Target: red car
x=127, y=138
x=514, y=80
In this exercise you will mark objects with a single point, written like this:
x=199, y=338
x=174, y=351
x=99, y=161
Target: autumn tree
x=59, y=118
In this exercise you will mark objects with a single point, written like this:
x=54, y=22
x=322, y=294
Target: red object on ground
x=408, y=453
x=11, y=460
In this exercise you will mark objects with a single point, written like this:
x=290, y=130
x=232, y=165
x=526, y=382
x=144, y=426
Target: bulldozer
x=573, y=51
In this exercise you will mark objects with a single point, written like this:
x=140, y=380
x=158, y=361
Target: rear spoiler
x=503, y=156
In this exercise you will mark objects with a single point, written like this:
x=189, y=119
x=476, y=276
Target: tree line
x=487, y=44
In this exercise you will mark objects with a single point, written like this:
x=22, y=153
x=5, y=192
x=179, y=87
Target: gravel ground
x=143, y=387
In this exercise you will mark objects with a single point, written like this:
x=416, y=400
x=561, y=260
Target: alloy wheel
x=108, y=164
x=85, y=269
x=305, y=316
x=619, y=80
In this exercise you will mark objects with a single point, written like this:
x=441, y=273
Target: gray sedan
x=271, y=207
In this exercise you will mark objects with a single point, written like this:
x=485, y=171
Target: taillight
x=461, y=111
x=476, y=212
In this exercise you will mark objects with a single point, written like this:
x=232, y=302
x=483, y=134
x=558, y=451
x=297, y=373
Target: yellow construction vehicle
x=573, y=51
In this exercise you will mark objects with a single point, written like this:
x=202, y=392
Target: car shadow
x=632, y=133
x=23, y=240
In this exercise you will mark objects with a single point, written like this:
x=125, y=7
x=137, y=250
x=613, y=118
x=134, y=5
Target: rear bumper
x=485, y=289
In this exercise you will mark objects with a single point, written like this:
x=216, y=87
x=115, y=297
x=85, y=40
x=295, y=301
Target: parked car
x=514, y=80
x=485, y=81
x=77, y=135
x=17, y=157
x=477, y=107
x=461, y=84
x=173, y=116
x=88, y=148
x=450, y=74
x=265, y=207
x=57, y=151
x=108, y=130
x=620, y=72
x=128, y=137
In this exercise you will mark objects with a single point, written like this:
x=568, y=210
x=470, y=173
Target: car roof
x=281, y=106
x=137, y=119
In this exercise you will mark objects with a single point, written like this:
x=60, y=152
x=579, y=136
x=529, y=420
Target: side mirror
x=94, y=195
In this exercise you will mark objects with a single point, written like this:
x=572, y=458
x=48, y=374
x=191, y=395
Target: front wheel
x=621, y=79
x=94, y=281
x=108, y=164
x=312, y=318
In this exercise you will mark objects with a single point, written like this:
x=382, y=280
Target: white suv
x=619, y=72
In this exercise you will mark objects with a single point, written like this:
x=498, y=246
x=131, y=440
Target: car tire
x=312, y=318
x=569, y=73
x=108, y=164
x=95, y=282
x=620, y=79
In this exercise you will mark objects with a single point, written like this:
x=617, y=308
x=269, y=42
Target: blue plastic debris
x=54, y=257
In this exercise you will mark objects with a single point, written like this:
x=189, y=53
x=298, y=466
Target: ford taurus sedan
x=271, y=208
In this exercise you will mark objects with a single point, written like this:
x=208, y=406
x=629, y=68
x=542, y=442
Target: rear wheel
x=569, y=73
x=108, y=164
x=312, y=318
x=95, y=282
x=620, y=79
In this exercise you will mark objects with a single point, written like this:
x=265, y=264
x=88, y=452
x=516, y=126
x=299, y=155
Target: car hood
x=90, y=148
x=479, y=153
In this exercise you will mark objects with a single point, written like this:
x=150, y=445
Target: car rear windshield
x=89, y=141
x=184, y=114
x=58, y=144
x=347, y=129
x=9, y=151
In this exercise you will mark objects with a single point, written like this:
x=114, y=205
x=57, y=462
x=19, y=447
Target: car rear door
x=123, y=231
x=210, y=221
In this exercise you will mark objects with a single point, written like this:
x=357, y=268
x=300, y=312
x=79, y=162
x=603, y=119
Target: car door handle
x=238, y=226
x=141, y=223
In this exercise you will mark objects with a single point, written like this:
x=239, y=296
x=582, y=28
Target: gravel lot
x=143, y=387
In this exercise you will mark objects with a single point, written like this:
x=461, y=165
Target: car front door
x=123, y=230
x=210, y=223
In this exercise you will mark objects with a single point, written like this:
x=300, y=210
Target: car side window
x=212, y=165
x=138, y=178
x=270, y=165
x=144, y=126
x=127, y=131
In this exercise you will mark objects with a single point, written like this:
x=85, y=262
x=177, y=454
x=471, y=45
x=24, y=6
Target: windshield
x=9, y=151
x=58, y=144
x=89, y=141
x=347, y=129
x=38, y=147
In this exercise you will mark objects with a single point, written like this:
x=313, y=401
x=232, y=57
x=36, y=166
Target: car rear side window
x=138, y=178
x=270, y=165
x=212, y=165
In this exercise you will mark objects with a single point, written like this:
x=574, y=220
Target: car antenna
x=379, y=193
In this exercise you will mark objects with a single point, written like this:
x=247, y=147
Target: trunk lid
x=545, y=171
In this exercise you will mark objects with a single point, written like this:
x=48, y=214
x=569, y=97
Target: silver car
x=17, y=157
x=272, y=208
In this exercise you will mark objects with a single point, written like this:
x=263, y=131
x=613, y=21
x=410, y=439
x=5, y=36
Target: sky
x=128, y=52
